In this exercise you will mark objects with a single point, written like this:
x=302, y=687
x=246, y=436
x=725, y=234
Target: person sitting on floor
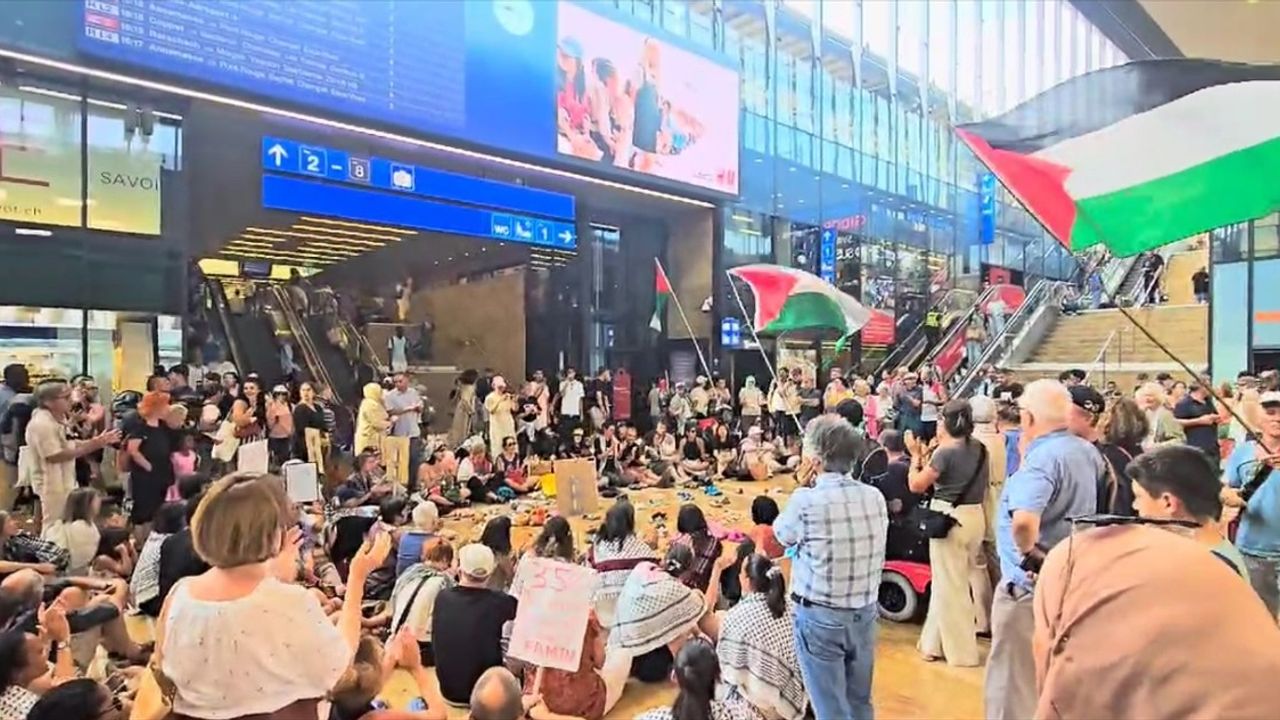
x=764, y=510
x=367, y=485
x=414, y=598
x=694, y=458
x=697, y=672
x=77, y=532
x=756, y=645
x=693, y=531
x=655, y=615
x=476, y=473
x=512, y=470
x=467, y=626
x=616, y=552
x=426, y=524
x=438, y=480
x=144, y=586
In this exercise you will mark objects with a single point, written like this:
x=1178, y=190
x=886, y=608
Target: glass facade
x=847, y=110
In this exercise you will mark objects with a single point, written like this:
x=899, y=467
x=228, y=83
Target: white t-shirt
x=571, y=394
x=929, y=412
x=424, y=603
x=256, y=654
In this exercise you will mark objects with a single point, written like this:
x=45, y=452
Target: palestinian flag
x=788, y=299
x=1141, y=155
x=661, y=295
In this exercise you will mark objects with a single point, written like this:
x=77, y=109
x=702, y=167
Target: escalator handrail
x=907, y=348
x=303, y=335
x=959, y=325
x=219, y=295
x=1044, y=291
x=374, y=361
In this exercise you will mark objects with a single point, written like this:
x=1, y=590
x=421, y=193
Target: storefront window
x=1230, y=243
x=1266, y=237
x=49, y=341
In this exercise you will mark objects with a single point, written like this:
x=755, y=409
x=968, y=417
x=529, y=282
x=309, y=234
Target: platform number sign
x=358, y=169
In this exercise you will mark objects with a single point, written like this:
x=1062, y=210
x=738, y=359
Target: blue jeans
x=837, y=650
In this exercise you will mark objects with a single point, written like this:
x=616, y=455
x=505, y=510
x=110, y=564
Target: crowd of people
x=1041, y=510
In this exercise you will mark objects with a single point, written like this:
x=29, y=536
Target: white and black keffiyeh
x=732, y=709
x=614, y=562
x=652, y=610
x=758, y=659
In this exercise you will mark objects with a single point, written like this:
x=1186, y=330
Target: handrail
x=960, y=325
x=1142, y=291
x=1116, y=336
x=218, y=294
x=303, y=336
x=908, y=347
x=1044, y=291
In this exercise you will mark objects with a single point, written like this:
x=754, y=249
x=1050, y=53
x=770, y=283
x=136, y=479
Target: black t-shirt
x=692, y=450
x=1204, y=437
x=1115, y=497
x=1200, y=282
x=466, y=629
x=893, y=485
x=178, y=559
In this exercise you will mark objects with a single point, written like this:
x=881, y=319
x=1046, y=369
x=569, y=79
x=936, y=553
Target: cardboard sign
x=395, y=456
x=315, y=448
x=575, y=486
x=551, y=618
x=253, y=457
x=301, y=482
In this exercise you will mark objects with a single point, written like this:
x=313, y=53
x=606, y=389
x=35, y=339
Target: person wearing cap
x=1199, y=418
x=279, y=425
x=1251, y=471
x=1057, y=479
x=467, y=625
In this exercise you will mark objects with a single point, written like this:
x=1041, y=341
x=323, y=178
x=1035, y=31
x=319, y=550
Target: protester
x=497, y=537
x=1199, y=418
x=693, y=531
x=414, y=597
x=616, y=552
x=750, y=402
x=467, y=624
x=426, y=524
x=53, y=468
x=1120, y=633
x=144, y=585
x=756, y=645
x=1251, y=470
x=697, y=674
x=1123, y=428
x=838, y=528
x=1057, y=480
x=238, y=639
x=500, y=405
x=280, y=426
x=957, y=472
x=404, y=407
x=1178, y=483
x=307, y=415
x=656, y=614
x=372, y=421
x=1162, y=428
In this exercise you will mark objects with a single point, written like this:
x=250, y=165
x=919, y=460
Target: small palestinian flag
x=1141, y=155
x=661, y=295
x=788, y=299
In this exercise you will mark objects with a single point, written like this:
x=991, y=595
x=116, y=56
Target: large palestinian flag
x=788, y=299
x=1141, y=155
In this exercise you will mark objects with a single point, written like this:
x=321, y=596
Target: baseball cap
x=476, y=561
x=1088, y=399
x=1271, y=397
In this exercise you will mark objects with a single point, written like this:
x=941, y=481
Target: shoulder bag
x=935, y=524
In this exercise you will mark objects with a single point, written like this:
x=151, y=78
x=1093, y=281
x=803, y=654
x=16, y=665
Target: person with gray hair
x=837, y=527
x=986, y=573
x=52, y=455
x=1058, y=479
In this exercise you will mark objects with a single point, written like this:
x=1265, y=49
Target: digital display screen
x=482, y=71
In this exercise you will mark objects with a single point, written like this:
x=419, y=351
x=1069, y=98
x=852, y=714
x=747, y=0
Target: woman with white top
x=238, y=640
x=77, y=532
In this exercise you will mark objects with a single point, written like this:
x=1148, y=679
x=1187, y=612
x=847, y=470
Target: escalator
x=325, y=361
x=948, y=355
x=956, y=307
x=251, y=335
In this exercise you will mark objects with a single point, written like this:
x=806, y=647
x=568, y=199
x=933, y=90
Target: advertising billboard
x=629, y=100
x=483, y=72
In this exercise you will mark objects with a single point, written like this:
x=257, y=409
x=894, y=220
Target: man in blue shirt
x=1252, y=469
x=836, y=530
x=1056, y=481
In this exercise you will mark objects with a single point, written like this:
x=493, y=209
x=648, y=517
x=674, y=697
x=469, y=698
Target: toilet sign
x=551, y=618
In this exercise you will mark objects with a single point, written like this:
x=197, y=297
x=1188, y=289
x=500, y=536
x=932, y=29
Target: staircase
x=1078, y=342
x=1177, y=277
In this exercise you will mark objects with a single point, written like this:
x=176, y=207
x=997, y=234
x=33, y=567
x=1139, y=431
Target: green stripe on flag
x=1229, y=189
x=805, y=311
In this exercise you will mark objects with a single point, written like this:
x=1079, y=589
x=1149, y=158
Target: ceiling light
x=347, y=233
x=32, y=232
x=311, y=236
x=364, y=226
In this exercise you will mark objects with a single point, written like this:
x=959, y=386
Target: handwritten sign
x=253, y=457
x=551, y=619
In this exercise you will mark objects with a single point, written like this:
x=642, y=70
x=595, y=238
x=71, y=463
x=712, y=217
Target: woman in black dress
x=151, y=469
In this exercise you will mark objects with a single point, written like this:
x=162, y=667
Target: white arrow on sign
x=278, y=154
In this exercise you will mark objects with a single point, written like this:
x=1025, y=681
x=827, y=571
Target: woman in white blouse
x=238, y=639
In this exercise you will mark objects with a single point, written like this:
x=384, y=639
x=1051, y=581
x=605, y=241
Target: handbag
x=935, y=524
x=154, y=698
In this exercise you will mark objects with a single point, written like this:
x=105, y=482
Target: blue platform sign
x=500, y=226
x=827, y=256
x=986, y=209
x=279, y=154
x=730, y=332
x=313, y=160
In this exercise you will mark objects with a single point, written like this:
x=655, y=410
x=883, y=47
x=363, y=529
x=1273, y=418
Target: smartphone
x=417, y=705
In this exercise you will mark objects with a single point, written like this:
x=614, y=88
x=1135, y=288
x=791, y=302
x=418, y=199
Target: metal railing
x=1044, y=294
x=907, y=352
x=960, y=325
x=1113, y=345
x=218, y=296
x=311, y=356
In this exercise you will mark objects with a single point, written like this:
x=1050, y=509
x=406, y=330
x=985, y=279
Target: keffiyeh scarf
x=653, y=610
x=613, y=563
x=758, y=659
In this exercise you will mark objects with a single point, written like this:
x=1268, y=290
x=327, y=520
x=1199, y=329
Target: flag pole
x=759, y=346
x=706, y=369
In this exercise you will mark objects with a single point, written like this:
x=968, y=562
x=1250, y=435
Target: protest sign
x=301, y=481
x=253, y=457
x=576, y=492
x=551, y=619
x=395, y=456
